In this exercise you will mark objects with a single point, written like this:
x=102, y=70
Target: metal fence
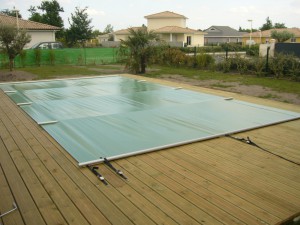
x=67, y=56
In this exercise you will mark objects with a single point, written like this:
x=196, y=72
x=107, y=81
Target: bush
x=259, y=65
x=241, y=64
x=52, y=57
x=174, y=57
x=285, y=66
x=252, y=51
x=37, y=56
x=23, y=58
x=203, y=61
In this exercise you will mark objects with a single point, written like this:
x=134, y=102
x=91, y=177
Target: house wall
x=119, y=37
x=218, y=40
x=175, y=37
x=196, y=41
x=39, y=36
x=264, y=40
x=154, y=24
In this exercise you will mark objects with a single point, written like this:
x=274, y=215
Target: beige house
x=39, y=32
x=262, y=37
x=170, y=27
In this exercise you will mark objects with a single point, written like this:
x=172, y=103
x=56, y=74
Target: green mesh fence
x=68, y=56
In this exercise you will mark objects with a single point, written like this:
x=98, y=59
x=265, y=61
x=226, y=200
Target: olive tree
x=12, y=41
x=281, y=36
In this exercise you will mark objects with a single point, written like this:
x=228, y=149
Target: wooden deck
x=219, y=181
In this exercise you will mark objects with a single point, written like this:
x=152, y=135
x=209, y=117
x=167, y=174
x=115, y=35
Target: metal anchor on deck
x=13, y=209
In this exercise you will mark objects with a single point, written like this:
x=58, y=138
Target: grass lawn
x=46, y=72
x=279, y=85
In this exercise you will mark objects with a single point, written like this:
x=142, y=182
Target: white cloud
x=295, y=3
x=94, y=12
x=245, y=9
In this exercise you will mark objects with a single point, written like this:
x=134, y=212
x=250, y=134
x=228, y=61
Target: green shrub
x=80, y=60
x=23, y=58
x=252, y=51
x=225, y=65
x=259, y=65
x=295, y=69
x=51, y=57
x=37, y=56
x=204, y=61
x=174, y=57
x=241, y=64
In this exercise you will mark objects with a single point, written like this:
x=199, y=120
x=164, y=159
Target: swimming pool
x=115, y=116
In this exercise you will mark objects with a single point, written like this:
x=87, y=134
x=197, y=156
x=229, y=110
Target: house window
x=293, y=40
x=188, y=40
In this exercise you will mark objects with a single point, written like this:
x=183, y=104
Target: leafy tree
x=35, y=16
x=10, y=13
x=279, y=25
x=96, y=33
x=50, y=14
x=108, y=29
x=12, y=40
x=138, y=49
x=281, y=36
x=247, y=30
x=268, y=25
x=80, y=27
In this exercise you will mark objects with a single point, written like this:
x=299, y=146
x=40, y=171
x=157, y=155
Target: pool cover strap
x=94, y=170
x=250, y=142
x=119, y=172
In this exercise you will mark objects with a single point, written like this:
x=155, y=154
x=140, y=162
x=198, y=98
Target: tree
x=12, y=40
x=10, y=13
x=96, y=33
x=247, y=30
x=281, y=36
x=80, y=27
x=108, y=29
x=279, y=25
x=138, y=49
x=267, y=26
x=49, y=15
x=35, y=16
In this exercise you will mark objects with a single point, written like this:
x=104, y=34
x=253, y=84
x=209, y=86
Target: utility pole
x=250, y=43
x=17, y=16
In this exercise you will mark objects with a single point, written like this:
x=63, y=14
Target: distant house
x=103, y=37
x=222, y=34
x=263, y=37
x=170, y=27
x=38, y=31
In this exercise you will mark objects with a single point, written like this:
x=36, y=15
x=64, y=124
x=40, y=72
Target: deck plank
x=27, y=207
x=219, y=181
x=6, y=203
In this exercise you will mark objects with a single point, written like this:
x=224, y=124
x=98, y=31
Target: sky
x=201, y=14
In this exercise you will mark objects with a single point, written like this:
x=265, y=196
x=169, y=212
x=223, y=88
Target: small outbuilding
x=39, y=32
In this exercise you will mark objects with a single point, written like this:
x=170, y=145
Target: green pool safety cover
x=113, y=116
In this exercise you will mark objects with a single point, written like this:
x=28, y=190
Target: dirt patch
x=7, y=76
x=252, y=90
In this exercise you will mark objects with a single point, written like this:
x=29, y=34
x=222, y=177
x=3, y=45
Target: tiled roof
x=167, y=29
x=25, y=24
x=222, y=31
x=175, y=29
x=126, y=31
x=165, y=14
x=267, y=33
